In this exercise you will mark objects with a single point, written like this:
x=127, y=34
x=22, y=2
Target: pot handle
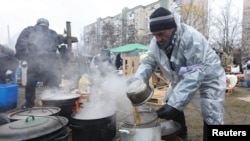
x=126, y=131
x=74, y=126
x=27, y=119
x=61, y=138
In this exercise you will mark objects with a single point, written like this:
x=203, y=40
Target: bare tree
x=142, y=39
x=195, y=14
x=225, y=28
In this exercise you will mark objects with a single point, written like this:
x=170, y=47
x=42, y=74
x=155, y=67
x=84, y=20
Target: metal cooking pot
x=49, y=128
x=150, y=129
x=4, y=119
x=147, y=130
x=100, y=129
x=66, y=102
x=169, y=128
x=35, y=111
x=140, y=134
x=139, y=92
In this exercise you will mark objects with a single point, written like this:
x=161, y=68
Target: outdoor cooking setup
x=64, y=112
x=145, y=125
x=63, y=115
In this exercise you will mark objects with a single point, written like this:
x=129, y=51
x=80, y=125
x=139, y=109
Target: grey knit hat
x=161, y=19
x=42, y=21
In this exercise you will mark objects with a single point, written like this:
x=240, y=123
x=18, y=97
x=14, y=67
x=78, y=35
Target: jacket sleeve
x=22, y=44
x=147, y=65
x=8, y=51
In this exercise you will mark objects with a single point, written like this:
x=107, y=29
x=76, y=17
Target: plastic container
x=8, y=96
x=245, y=84
x=84, y=84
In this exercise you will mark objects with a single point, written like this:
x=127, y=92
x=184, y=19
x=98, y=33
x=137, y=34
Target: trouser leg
x=30, y=94
x=30, y=88
x=205, y=131
x=181, y=119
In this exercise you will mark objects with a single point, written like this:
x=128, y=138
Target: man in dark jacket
x=36, y=47
x=8, y=63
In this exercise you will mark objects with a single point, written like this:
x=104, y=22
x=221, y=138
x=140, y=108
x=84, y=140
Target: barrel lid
x=35, y=111
x=32, y=127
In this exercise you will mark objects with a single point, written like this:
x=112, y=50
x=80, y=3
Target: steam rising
x=106, y=98
x=107, y=94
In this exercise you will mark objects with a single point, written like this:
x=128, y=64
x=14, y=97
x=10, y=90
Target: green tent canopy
x=129, y=48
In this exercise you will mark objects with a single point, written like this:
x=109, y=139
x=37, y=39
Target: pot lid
x=59, y=96
x=35, y=111
x=31, y=127
x=145, y=116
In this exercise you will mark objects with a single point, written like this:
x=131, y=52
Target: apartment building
x=132, y=25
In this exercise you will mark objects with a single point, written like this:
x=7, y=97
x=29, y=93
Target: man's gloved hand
x=167, y=112
x=8, y=72
x=24, y=64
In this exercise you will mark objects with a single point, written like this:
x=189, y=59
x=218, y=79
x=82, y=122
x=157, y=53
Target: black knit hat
x=161, y=19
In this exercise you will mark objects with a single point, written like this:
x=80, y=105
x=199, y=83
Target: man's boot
x=205, y=131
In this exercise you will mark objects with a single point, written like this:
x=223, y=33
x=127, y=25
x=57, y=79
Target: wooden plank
x=158, y=96
x=130, y=65
x=157, y=101
x=157, y=79
x=163, y=79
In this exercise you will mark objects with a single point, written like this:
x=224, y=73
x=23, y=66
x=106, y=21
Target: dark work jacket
x=36, y=40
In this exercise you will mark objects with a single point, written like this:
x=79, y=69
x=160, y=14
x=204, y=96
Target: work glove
x=8, y=72
x=167, y=112
x=24, y=64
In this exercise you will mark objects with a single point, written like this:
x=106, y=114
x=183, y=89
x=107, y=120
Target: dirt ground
x=237, y=112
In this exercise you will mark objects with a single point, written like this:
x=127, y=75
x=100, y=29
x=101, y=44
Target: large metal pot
x=139, y=92
x=35, y=111
x=49, y=128
x=152, y=133
x=99, y=129
x=66, y=102
x=169, y=129
x=147, y=130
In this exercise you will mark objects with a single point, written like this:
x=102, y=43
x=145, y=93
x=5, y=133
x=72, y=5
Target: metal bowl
x=139, y=92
